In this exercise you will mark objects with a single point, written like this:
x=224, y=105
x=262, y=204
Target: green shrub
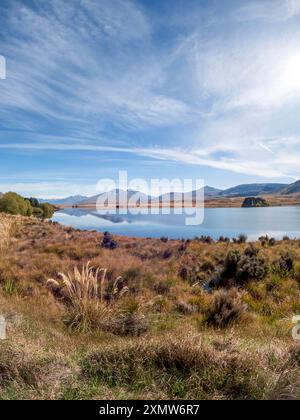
x=13, y=203
x=240, y=268
x=251, y=269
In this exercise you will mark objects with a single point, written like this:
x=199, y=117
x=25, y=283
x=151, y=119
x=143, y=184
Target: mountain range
x=244, y=190
x=68, y=201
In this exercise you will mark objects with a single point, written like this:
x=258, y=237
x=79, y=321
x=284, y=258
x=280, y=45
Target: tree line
x=14, y=203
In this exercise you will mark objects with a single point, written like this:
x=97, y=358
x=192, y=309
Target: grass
x=6, y=231
x=129, y=323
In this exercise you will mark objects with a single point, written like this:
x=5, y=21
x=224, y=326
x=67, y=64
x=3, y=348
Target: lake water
x=254, y=222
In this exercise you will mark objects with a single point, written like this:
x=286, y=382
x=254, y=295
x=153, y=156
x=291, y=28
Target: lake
x=254, y=222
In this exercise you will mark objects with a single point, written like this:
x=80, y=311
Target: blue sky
x=161, y=88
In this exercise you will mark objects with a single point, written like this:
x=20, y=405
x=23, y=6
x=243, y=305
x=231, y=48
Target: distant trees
x=14, y=203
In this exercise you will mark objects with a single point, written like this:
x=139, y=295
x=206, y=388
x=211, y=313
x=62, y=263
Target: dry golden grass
x=88, y=284
x=81, y=336
x=6, y=230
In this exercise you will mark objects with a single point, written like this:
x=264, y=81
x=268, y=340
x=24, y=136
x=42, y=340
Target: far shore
x=219, y=202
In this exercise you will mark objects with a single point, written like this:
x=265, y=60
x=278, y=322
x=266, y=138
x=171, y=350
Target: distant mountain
x=209, y=192
x=244, y=190
x=291, y=189
x=120, y=196
x=68, y=201
x=253, y=190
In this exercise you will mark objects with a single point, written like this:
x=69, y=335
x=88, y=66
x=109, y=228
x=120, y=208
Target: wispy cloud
x=209, y=87
x=243, y=162
x=268, y=10
x=83, y=63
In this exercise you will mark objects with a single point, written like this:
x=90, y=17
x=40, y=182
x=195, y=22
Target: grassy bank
x=134, y=320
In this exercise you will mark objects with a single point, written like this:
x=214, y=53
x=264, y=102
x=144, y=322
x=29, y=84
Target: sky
x=161, y=88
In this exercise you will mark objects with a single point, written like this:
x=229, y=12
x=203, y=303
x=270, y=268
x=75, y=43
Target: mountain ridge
x=293, y=188
x=242, y=190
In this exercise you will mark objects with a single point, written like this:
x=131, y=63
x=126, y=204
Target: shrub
x=231, y=263
x=167, y=254
x=251, y=269
x=224, y=239
x=47, y=210
x=162, y=287
x=251, y=251
x=38, y=212
x=191, y=272
x=286, y=262
x=272, y=241
x=266, y=241
x=206, y=239
x=13, y=203
x=241, y=239
x=284, y=265
x=185, y=308
x=108, y=242
x=240, y=268
x=207, y=266
x=164, y=239
x=226, y=309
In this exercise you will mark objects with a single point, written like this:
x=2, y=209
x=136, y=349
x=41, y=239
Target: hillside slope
x=291, y=189
x=245, y=190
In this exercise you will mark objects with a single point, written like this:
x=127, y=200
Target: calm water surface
x=254, y=222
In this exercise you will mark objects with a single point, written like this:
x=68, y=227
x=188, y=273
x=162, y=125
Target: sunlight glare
x=291, y=73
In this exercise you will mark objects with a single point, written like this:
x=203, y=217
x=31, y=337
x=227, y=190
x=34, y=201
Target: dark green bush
x=240, y=268
x=251, y=268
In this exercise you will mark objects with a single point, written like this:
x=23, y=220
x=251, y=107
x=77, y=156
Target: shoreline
x=226, y=202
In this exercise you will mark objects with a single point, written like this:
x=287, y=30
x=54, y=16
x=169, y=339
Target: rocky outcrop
x=255, y=202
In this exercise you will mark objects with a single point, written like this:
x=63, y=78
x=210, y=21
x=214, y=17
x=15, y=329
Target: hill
x=68, y=201
x=291, y=189
x=209, y=192
x=120, y=196
x=253, y=190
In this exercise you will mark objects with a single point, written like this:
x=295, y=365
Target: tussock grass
x=88, y=294
x=226, y=309
x=187, y=366
x=7, y=226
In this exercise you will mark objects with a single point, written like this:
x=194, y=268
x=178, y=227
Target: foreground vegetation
x=91, y=316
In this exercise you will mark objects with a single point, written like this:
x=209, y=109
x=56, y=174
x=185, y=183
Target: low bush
x=284, y=266
x=240, y=268
x=225, y=310
x=241, y=239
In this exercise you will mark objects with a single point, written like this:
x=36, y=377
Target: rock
x=108, y=242
x=255, y=202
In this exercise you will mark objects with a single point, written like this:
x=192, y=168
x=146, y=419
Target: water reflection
x=274, y=221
